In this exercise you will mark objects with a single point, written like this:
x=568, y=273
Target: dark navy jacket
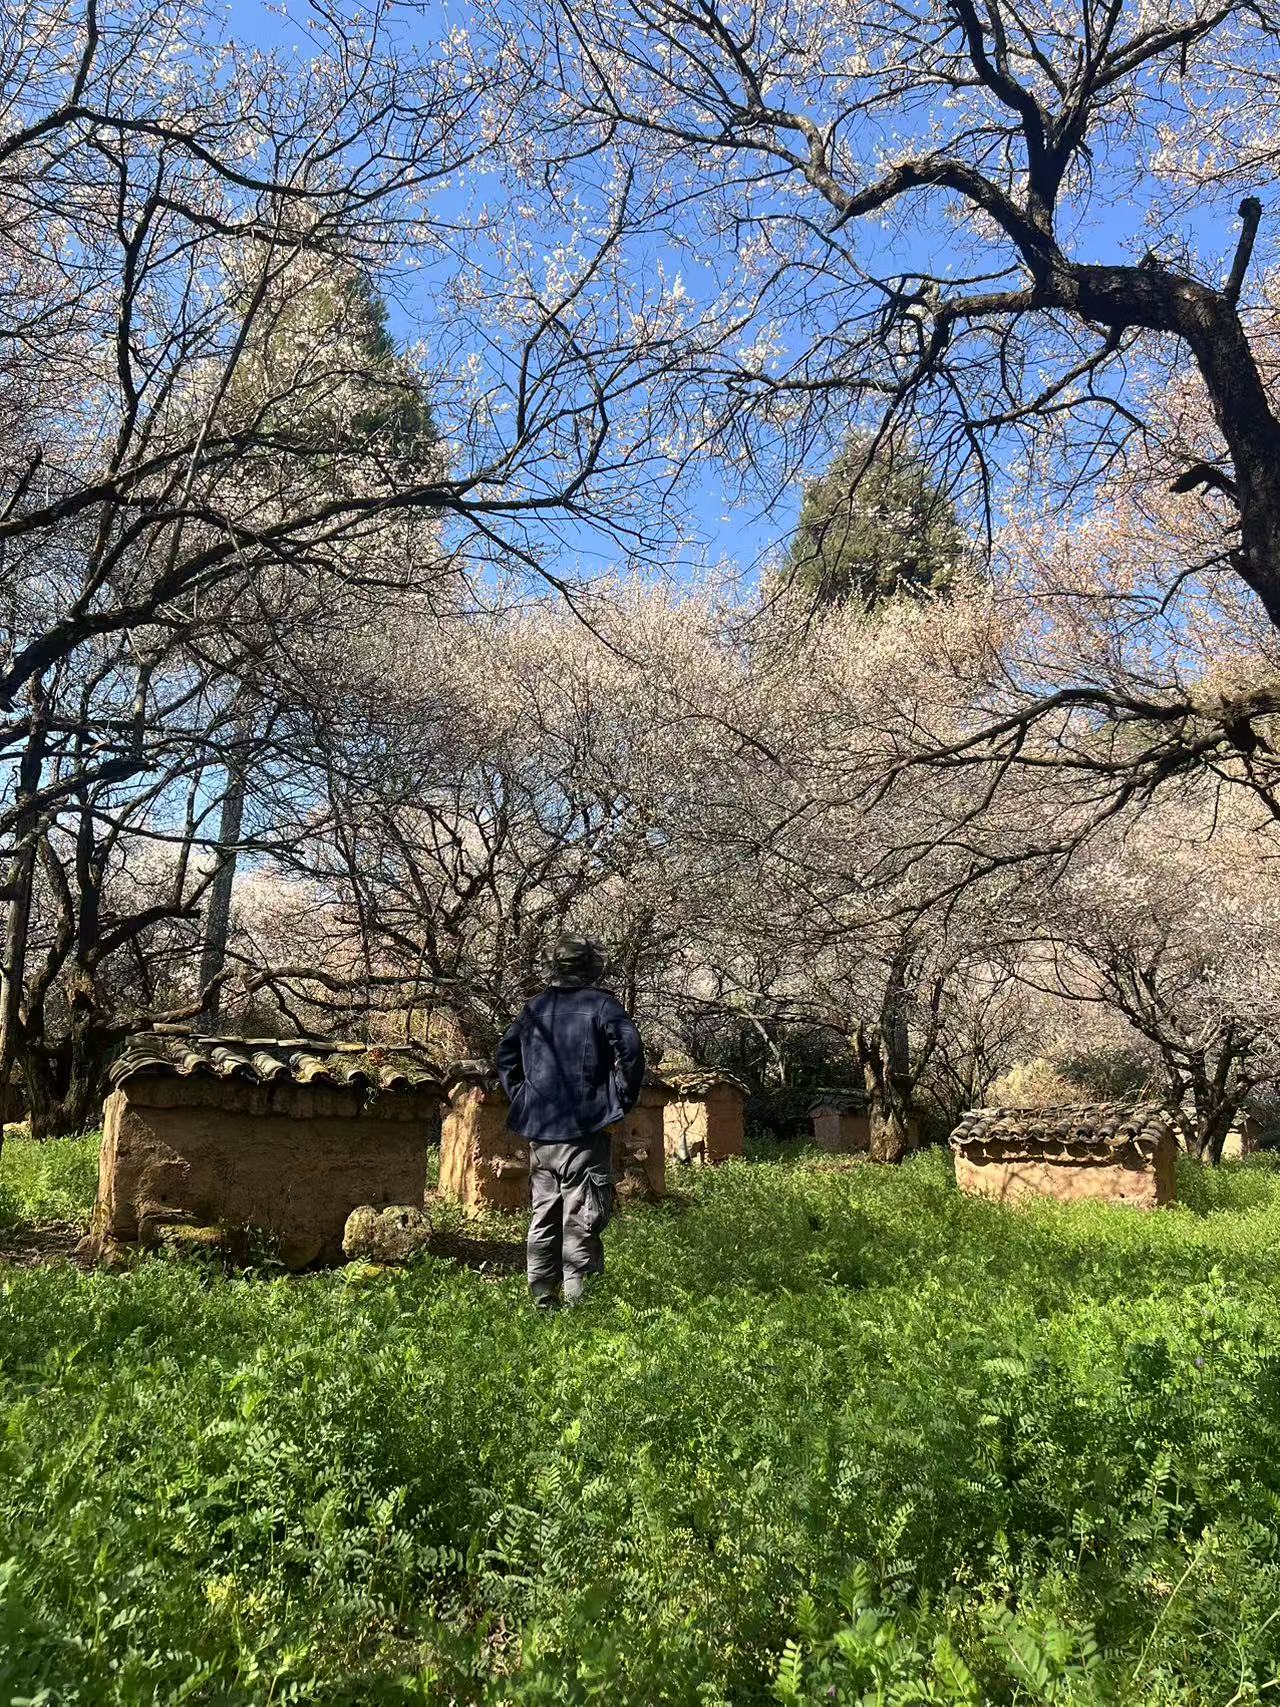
x=572, y=1064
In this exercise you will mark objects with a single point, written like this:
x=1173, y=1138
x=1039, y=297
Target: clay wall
x=482, y=1165
x=711, y=1125
x=1123, y=1177
x=639, y=1158
x=841, y=1131
x=1241, y=1140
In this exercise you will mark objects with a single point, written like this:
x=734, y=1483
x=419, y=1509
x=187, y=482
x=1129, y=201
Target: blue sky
x=727, y=525
x=728, y=528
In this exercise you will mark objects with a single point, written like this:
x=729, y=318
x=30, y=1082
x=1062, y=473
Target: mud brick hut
x=703, y=1122
x=284, y=1135
x=1242, y=1137
x=841, y=1123
x=1100, y=1150
x=485, y=1166
x=639, y=1155
x=482, y=1165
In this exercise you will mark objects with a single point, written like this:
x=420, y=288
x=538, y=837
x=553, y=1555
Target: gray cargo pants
x=572, y=1191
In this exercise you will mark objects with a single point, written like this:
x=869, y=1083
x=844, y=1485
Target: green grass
x=827, y=1436
x=40, y=1183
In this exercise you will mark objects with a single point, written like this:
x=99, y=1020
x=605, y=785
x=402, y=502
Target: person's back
x=572, y=1065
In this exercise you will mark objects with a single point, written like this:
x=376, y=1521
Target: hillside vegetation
x=828, y=1435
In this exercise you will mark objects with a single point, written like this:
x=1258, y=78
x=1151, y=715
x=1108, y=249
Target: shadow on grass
x=490, y=1256
x=494, y=1244
x=29, y=1247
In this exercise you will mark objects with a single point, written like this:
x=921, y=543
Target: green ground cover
x=828, y=1436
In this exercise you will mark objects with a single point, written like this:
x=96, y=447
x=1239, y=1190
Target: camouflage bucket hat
x=575, y=958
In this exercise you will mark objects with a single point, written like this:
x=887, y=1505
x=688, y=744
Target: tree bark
x=65, y=1089
x=18, y=888
x=213, y=958
x=1206, y=1088
x=891, y=1134
x=889, y=1094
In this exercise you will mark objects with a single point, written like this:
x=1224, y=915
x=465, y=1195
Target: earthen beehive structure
x=1242, y=1137
x=284, y=1135
x=1100, y=1150
x=482, y=1164
x=704, y=1120
x=639, y=1156
x=841, y=1123
x=1241, y=1140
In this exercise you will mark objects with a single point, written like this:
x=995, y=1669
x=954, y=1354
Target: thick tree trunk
x=1210, y=1123
x=891, y=1134
x=18, y=885
x=65, y=1088
x=213, y=958
x=19, y=881
x=1205, y=1091
x=889, y=1096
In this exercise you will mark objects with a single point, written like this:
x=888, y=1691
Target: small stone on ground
x=396, y=1234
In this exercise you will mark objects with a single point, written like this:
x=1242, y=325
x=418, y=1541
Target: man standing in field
x=572, y=1065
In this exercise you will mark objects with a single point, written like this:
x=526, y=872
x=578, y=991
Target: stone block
x=396, y=1234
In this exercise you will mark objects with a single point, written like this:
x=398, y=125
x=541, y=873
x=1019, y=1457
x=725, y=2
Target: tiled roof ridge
x=696, y=1079
x=271, y=1060
x=1071, y=1127
x=187, y=1033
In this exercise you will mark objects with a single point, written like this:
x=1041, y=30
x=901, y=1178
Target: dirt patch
x=30, y=1247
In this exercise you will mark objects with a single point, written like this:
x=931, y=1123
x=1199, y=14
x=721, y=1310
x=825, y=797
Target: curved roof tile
x=263, y=1061
x=1078, y=1129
